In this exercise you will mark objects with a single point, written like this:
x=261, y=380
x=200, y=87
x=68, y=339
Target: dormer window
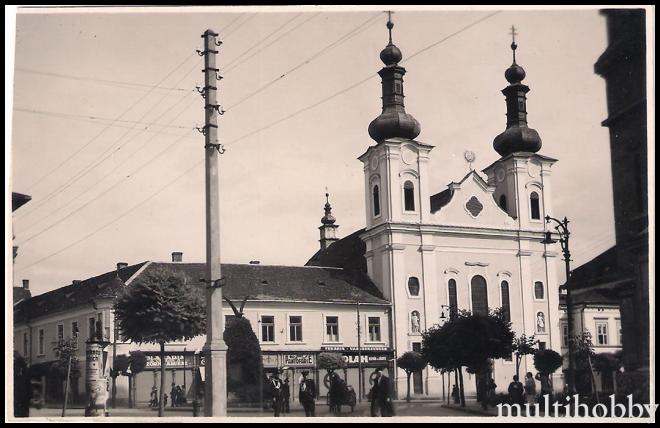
x=535, y=206
x=409, y=196
x=376, y=201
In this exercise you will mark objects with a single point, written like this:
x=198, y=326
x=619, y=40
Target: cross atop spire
x=327, y=201
x=514, y=46
x=390, y=24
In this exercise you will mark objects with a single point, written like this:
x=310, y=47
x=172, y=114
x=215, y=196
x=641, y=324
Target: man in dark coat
x=381, y=395
x=277, y=393
x=286, y=396
x=307, y=394
x=516, y=392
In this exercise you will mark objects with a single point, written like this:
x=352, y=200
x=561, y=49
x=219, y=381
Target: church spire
x=328, y=227
x=517, y=137
x=393, y=121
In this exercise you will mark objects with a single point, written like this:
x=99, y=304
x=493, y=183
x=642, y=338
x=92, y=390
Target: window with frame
x=542, y=346
x=479, y=295
x=564, y=334
x=60, y=333
x=413, y=286
x=453, y=298
x=601, y=333
x=91, y=327
x=42, y=337
x=374, y=329
x=376, y=201
x=535, y=206
x=332, y=329
x=409, y=196
x=506, y=306
x=267, y=328
x=74, y=331
x=539, y=291
x=295, y=328
x=619, y=331
x=25, y=344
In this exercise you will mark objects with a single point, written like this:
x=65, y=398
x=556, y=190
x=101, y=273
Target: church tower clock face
x=499, y=175
x=374, y=162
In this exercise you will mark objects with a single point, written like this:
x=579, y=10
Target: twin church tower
x=475, y=245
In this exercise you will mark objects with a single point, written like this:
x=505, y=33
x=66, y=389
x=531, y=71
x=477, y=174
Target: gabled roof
x=441, y=199
x=20, y=294
x=64, y=298
x=601, y=269
x=284, y=283
x=260, y=282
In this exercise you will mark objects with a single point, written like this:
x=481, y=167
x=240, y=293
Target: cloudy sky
x=104, y=110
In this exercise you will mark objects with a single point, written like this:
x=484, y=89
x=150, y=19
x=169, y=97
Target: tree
x=330, y=361
x=22, y=387
x=547, y=361
x=243, y=356
x=67, y=366
x=161, y=306
x=468, y=340
x=137, y=362
x=411, y=362
x=523, y=345
x=607, y=364
x=583, y=353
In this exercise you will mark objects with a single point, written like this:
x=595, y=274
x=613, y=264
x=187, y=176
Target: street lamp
x=562, y=229
x=442, y=312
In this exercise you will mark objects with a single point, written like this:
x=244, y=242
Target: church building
x=474, y=245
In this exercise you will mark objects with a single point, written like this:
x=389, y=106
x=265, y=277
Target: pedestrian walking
x=179, y=396
x=286, y=395
x=154, y=397
x=456, y=394
x=307, y=394
x=530, y=389
x=276, y=393
x=381, y=395
x=546, y=388
x=165, y=401
x=173, y=395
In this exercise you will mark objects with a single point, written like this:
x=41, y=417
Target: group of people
x=336, y=393
x=280, y=394
x=177, y=396
x=521, y=394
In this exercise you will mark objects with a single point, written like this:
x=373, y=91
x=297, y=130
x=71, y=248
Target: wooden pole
x=66, y=386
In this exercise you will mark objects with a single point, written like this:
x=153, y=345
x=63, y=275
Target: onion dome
x=393, y=121
x=327, y=219
x=517, y=137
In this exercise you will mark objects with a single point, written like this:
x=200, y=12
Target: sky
x=105, y=106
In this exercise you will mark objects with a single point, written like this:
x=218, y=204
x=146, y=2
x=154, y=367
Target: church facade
x=477, y=245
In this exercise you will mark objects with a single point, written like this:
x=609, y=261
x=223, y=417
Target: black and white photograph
x=236, y=213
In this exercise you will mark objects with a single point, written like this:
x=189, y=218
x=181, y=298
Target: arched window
x=535, y=206
x=479, y=295
x=413, y=286
x=503, y=202
x=409, y=196
x=376, y=198
x=453, y=298
x=506, y=306
x=538, y=290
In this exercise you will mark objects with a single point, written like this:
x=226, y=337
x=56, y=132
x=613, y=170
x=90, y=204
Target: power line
x=49, y=173
x=262, y=40
x=361, y=27
x=109, y=189
x=355, y=85
x=144, y=201
x=97, y=80
x=109, y=173
x=101, y=158
x=96, y=118
x=227, y=69
x=233, y=30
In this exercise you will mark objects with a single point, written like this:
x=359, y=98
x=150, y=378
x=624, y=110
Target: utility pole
x=215, y=349
x=359, y=355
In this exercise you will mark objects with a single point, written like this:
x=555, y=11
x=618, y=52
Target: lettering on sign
x=354, y=348
x=365, y=359
x=171, y=361
x=298, y=360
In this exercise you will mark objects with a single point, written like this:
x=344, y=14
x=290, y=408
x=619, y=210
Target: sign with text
x=172, y=362
x=354, y=348
x=298, y=360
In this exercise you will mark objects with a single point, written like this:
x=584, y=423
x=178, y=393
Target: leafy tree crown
x=331, y=361
x=411, y=362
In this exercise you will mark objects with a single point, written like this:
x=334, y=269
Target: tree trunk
x=462, y=391
x=114, y=389
x=456, y=381
x=161, y=401
x=130, y=392
x=518, y=361
x=408, y=394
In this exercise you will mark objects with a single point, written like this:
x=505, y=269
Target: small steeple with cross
x=390, y=24
x=514, y=46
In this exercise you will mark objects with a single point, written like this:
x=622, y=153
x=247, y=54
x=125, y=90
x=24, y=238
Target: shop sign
x=269, y=360
x=354, y=360
x=171, y=361
x=354, y=348
x=298, y=360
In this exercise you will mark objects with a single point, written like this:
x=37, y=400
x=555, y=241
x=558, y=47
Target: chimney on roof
x=254, y=262
x=177, y=257
x=76, y=281
x=121, y=265
x=26, y=284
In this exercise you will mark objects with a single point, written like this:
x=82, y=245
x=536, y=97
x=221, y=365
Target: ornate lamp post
x=562, y=229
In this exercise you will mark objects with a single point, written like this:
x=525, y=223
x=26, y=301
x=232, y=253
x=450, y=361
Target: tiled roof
x=81, y=293
x=285, y=283
x=347, y=253
x=600, y=269
x=260, y=282
x=21, y=293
